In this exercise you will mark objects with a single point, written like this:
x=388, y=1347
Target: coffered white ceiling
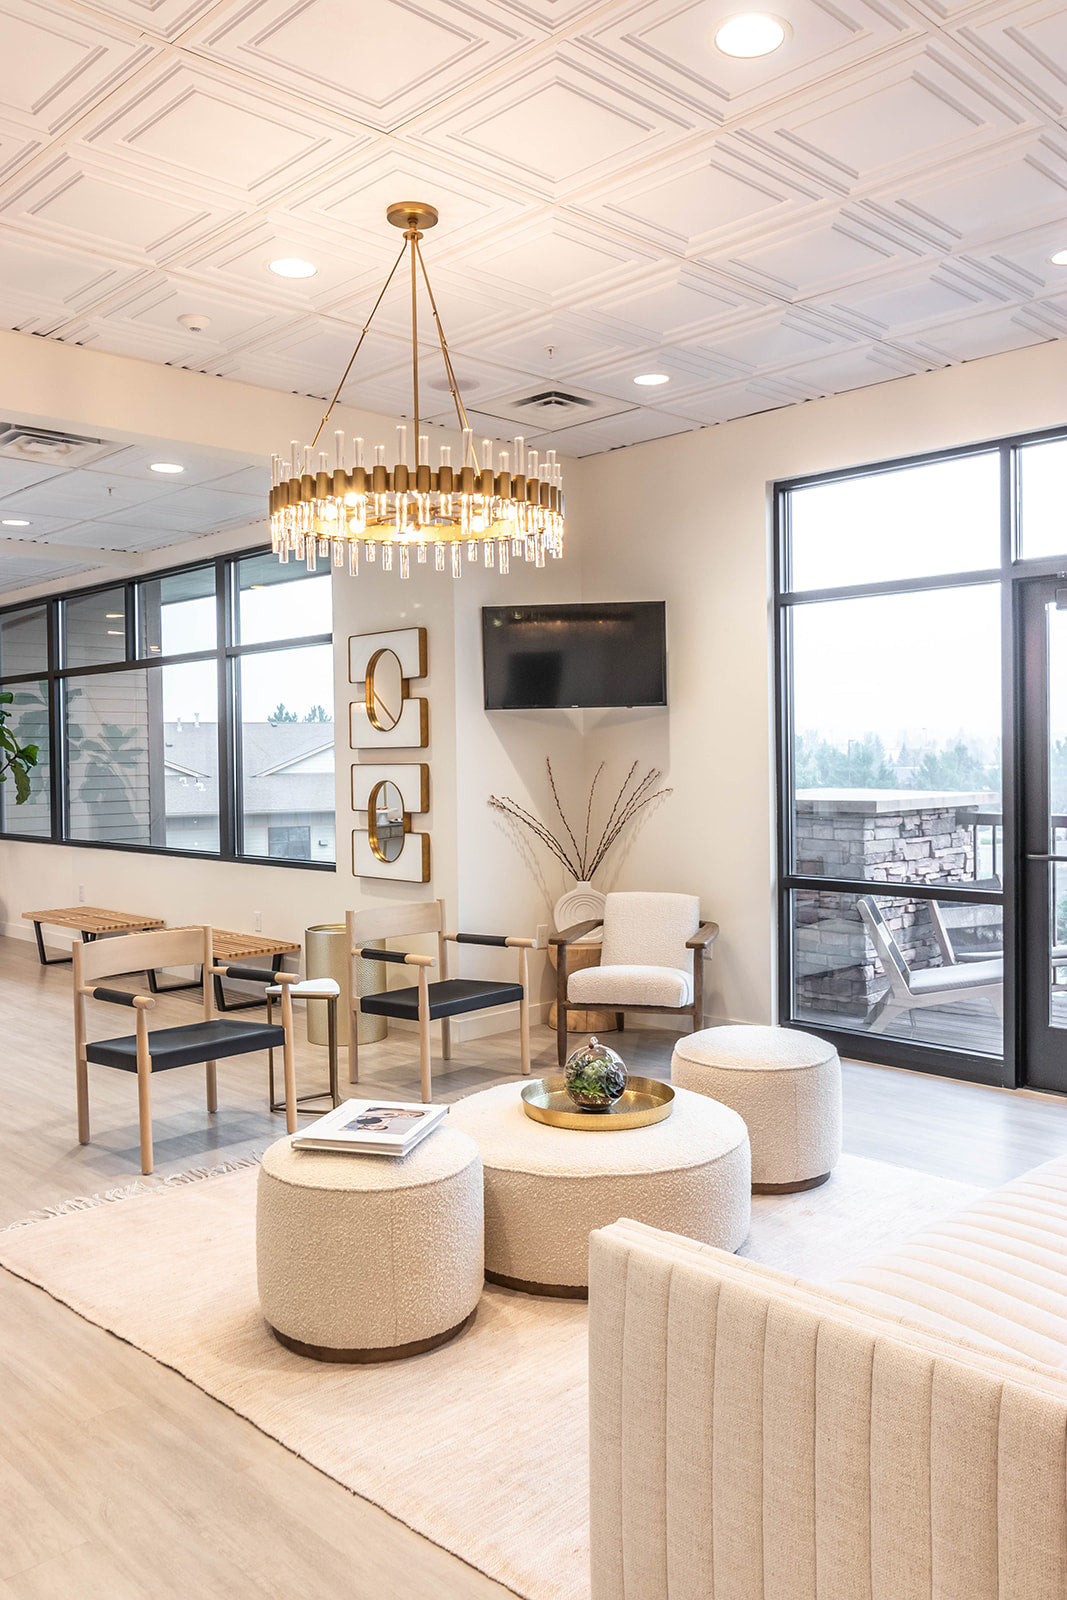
x=879, y=196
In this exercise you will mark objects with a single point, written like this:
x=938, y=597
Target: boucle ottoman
x=369, y=1258
x=547, y=1188
x=787, y=1087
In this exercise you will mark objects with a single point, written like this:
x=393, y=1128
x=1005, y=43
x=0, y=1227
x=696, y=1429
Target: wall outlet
x=81, y=894
x=543, y=931
x=257, y=922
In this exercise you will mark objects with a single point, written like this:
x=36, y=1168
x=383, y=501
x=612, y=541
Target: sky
x=299, y=678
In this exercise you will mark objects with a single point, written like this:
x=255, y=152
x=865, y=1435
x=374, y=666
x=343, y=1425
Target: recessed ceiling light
x=292, y=267
x=751, y=34
x=16, y=522
x=1059, y=259
x=165, y=466
x=648, y=380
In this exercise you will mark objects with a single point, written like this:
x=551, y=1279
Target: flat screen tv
x=541, y=657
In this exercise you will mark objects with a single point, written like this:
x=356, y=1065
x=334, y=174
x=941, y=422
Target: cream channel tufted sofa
x=898, y=1435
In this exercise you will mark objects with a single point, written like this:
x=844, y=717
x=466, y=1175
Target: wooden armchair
x=146, y=1052
x=652, y=959
x=428, y=1002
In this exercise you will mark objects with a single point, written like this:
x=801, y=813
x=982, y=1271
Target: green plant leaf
x=22, y=784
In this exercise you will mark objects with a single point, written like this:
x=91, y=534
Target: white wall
x=688, y=520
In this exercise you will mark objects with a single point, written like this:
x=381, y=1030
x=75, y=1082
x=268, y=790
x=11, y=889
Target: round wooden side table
x=581, y=955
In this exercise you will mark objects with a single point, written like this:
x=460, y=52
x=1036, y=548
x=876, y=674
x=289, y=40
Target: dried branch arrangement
x=582, y=860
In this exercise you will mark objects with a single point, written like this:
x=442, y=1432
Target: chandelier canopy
x=337, y=508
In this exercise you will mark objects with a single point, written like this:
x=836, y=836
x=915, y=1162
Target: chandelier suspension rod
x=413, y=235
x=461, y=410
x=355, y=353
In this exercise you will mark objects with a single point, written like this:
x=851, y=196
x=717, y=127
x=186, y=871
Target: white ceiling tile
x=148, y=317
x=240, y=262
x=687, y=205
x=770, y=341
x=58, y=62
x=379, y=66
x=353, y=204
x=987, y=334
x=80, y=494
x=614, y=433
x=741, y=398
x=135, y=462
x=15, y=573
x=555, y=261
x=672, y=45
x=553, y=346
x=856, y=368
x=39, y=527
x=923, y=105
x=812, y=258
x=557, y=126
x=15, y=150
x=1027, y=44
x=188, y=125
x=1021, y=184
x=688, y=369
x=41, y=281
x=670, y=305
x=70, y=202
x=253, y=480
x=165, y=19
x=197, y=510
x=893, y=306
x=112, y=536
x=20, y=474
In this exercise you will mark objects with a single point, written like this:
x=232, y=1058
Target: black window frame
x=227, y=651
x=1013, y=570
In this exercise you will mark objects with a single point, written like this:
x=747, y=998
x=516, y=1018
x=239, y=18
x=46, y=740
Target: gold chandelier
x=336, y=509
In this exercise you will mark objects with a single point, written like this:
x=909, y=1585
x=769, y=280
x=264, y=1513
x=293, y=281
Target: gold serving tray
x=643, y=1101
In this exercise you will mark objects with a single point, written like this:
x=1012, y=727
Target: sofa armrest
x=753, y=1436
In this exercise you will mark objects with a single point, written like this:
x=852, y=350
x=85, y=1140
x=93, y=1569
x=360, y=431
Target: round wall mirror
x=384, y=690
x=385, y=821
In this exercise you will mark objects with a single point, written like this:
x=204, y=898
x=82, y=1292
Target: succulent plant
x=595, y=1076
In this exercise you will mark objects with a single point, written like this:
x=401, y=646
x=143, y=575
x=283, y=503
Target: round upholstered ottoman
x=369, y=1258
x=787, y=1087
x=547, y=1188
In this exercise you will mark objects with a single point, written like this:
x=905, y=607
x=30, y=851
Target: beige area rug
x=479, y=1446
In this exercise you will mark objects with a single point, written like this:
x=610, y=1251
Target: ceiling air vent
x=556, y=402
x=44, y=447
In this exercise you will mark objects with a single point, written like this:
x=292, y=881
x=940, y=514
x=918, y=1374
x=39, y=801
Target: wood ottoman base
x=392, y=1352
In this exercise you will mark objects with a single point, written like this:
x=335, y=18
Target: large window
x=891, y=616
x=190, y=712
x=920, y=611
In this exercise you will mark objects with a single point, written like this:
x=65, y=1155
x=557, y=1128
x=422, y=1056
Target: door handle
x=1047, y=858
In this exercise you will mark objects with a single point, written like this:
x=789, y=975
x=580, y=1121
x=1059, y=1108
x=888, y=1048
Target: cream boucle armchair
x=652, y=959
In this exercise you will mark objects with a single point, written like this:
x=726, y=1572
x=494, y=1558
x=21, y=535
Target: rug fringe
x=129, y=1191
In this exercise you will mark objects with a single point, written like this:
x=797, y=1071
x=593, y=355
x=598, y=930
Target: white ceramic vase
x=579, y=905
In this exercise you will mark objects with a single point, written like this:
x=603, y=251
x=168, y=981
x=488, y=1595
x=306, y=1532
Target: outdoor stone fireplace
x=881, y=836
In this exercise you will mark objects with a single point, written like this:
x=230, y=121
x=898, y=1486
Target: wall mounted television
x=546, y=657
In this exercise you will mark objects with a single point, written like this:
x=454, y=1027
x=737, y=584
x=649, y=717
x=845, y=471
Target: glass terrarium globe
x=595, y=1076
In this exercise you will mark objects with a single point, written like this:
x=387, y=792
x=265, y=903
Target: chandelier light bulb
x=751, y=34
x=328, y=508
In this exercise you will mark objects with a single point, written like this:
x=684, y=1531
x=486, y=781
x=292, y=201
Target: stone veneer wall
x=878, y=836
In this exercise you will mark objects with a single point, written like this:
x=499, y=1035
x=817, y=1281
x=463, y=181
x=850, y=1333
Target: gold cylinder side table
x=326, y=957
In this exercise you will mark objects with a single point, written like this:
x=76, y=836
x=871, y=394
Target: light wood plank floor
x=118, y=1478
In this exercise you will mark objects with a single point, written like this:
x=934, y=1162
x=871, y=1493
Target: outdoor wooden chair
x=928, y=986
x=652, y=959
x=143, y=1052
x=429, y=1002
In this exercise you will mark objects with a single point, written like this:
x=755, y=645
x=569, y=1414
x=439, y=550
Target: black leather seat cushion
x=448, y=998
x=184, y=1046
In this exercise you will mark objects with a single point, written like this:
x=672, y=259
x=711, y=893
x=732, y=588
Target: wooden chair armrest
x=117, y=997
x=256, y=974
x=706, y=934
x=579, y=931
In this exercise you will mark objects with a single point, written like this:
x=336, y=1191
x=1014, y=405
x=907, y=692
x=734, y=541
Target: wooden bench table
x=227, y=947
x=89, y=921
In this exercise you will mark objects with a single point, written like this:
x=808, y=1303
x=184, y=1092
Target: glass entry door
x=1043, y=878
